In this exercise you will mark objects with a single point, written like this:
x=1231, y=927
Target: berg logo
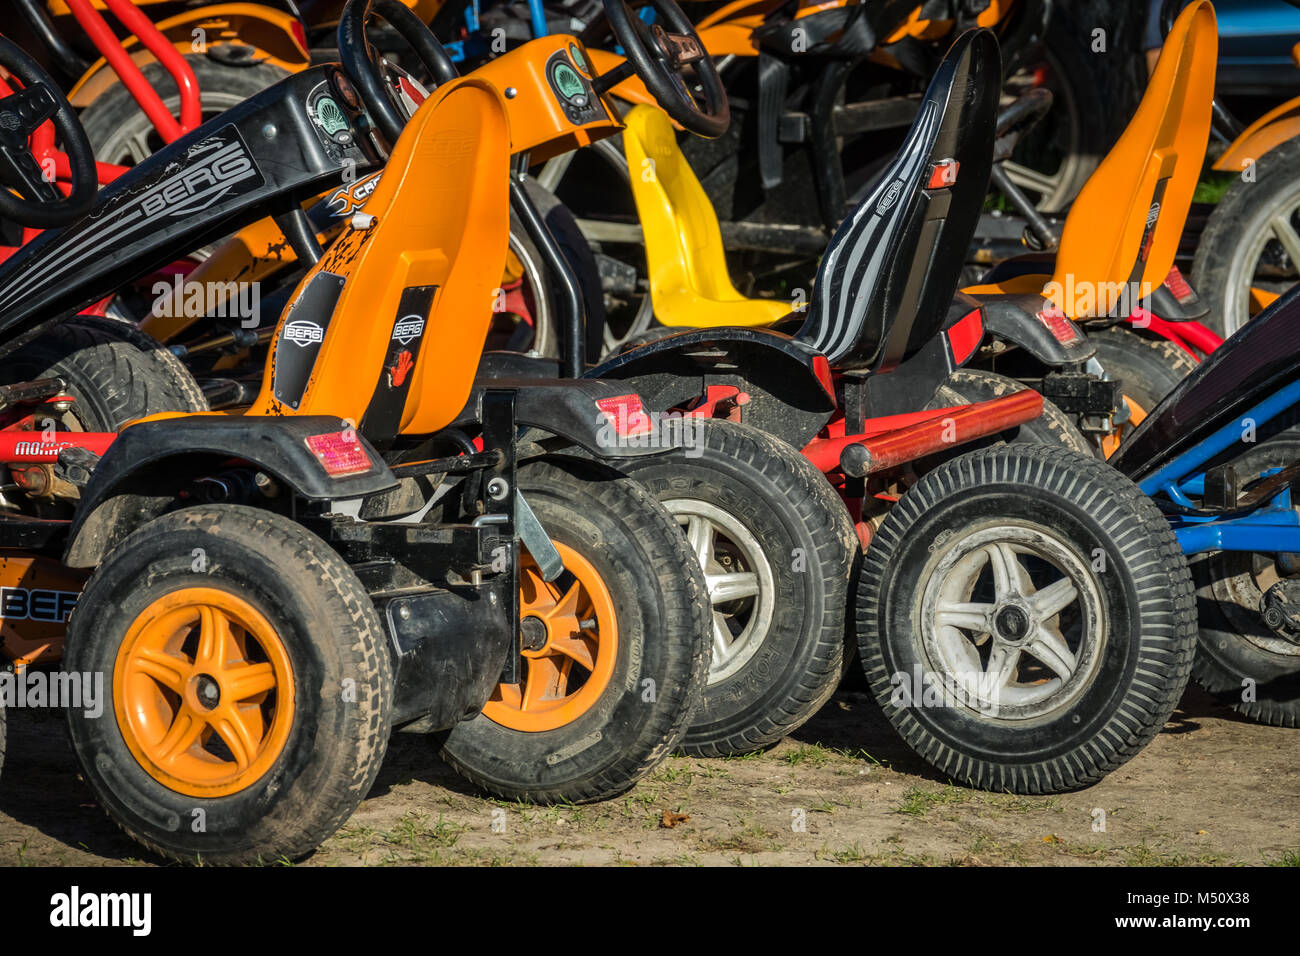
x=408, y=327
x=303, y=333
x=890, y=197
x=1153, y=214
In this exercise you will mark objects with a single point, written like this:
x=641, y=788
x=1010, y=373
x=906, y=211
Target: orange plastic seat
x=1123, y=229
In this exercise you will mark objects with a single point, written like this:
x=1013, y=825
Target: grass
x=918, y=802
x=1287, y=858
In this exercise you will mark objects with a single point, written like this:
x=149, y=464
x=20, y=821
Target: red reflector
x=1178, y=285
x=625, y=414
x=943, y=174
x=339, y=453
x=1057, y=324
x=964, y=336
x=822, y=369
x=299, y=35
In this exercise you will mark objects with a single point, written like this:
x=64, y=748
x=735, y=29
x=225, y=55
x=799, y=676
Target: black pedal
x=1077, y=393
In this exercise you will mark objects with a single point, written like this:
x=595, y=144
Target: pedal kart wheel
x=1148, y=368
x=115, y=372
x=966, y=386
x=249, y=683
x=1025, y=619
x=1240, y=659
x=777, y=548
x=1249, y=252
x=615, y=651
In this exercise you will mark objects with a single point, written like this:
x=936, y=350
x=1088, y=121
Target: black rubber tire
x=1148, y=367
x=114, y=116
x=1238, y=219
x=1232, y=637
x=331, y=633
x=966, y=386
x=663, y=636
x=780, y=499
x=115, y=372
x=1144, y=594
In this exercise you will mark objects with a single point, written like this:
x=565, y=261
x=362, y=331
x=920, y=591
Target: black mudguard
x=581, y=411
x=1014, y=318
x=138, y=477
x=787, y=396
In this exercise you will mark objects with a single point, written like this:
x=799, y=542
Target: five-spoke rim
x=1011, y=624
x=570, y=644
x=204, y=692
x=739, y=579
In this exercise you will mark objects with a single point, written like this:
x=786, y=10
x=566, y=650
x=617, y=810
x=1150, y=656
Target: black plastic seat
x=890, y=272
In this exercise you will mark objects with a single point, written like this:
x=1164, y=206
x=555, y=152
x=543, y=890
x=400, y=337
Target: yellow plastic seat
x=689, y=282
x=1124, y=227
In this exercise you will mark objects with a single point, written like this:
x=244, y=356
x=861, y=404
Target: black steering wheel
x=661, y=55
x=365, y=66
x=39, y=203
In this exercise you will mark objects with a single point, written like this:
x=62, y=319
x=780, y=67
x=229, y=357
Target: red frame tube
x=34, y=450
x=1191, y=337
x=115, y=54
x=939, y=430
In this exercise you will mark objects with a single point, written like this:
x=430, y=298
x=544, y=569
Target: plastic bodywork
x=268, y=153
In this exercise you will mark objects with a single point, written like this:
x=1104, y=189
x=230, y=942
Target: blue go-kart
x=1221, y=457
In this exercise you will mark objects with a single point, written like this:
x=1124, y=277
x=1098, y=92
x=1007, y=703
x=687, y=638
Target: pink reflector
x=339, y=453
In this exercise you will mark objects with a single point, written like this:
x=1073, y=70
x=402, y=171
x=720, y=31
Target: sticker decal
x=303, y=333
x=890, y=197
x=408, y=327
x=384, y=413
x=300, y=339
x=219, y=168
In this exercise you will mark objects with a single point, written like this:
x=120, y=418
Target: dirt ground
x=1211, y=790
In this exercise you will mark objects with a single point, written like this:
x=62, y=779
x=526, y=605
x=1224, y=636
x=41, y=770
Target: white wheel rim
x=1011, y=622
x=1273, y=224
x=740, y=582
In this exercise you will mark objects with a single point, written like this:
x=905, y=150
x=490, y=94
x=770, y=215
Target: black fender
x=788, y=383
x=602, y=418
x=1056, y=342
x=138, y=477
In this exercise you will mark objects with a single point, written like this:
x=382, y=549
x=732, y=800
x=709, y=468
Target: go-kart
x=1220, y=456
x=1108, y=267
x=989, y=634
x=272, y=592
x=867, y=427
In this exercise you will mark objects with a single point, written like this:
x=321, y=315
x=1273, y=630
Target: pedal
x=74, y=467
x=1080, y=394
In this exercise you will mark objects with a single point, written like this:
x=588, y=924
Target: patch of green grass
x=1286, y=858
x=918, y=802
x=853, y=853
x=813, y=755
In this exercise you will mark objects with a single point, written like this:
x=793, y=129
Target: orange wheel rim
x=564, y=677
x=203, y=692
x=1136, y=413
